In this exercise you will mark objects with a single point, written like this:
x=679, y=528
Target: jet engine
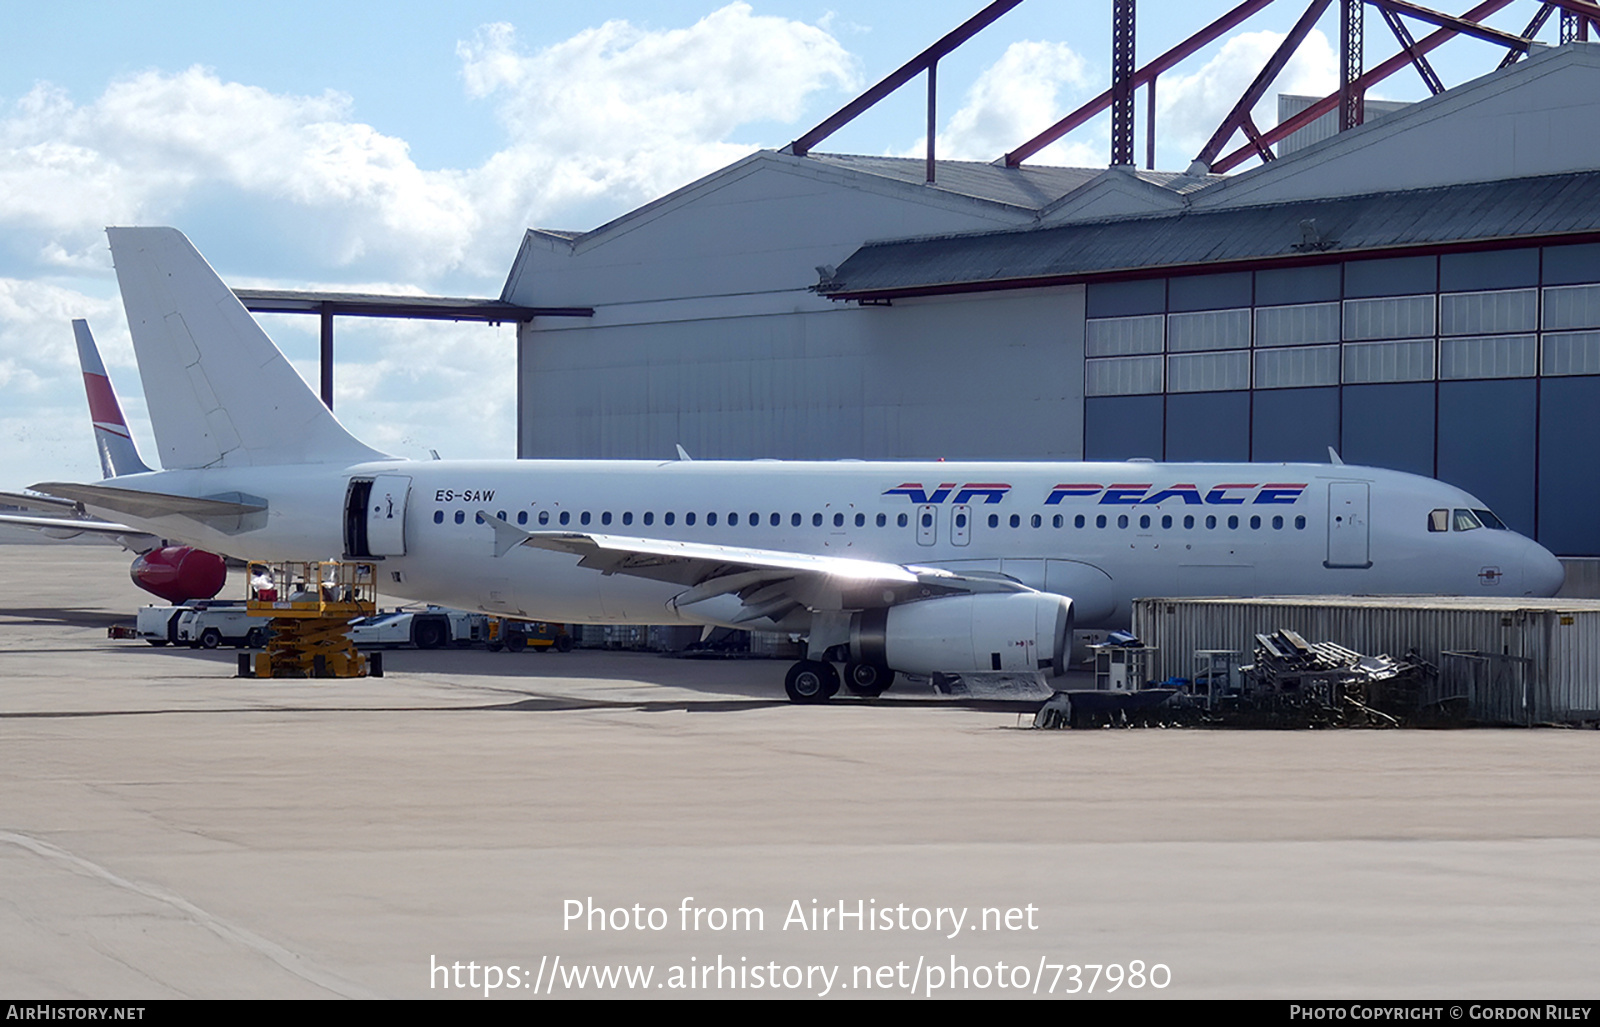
x=179, y=573
x=1020, y=632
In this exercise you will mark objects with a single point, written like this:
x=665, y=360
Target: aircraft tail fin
x=220, y=393
x=118, y=453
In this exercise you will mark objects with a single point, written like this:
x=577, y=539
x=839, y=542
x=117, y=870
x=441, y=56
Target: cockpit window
x=1465, y=520
x=1439, y=520
x=1491, y=521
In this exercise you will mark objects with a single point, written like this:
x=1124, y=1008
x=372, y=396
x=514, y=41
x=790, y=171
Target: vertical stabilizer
x=118, y=454
x=220, y=392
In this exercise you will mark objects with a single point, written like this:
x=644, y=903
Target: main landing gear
x=816, y=681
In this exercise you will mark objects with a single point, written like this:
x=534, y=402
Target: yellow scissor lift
x=311, y=604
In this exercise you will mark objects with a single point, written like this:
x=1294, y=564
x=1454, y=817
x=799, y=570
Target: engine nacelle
x=1019, y=632
x=179, y=573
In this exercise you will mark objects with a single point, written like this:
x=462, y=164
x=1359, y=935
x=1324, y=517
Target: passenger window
x=1144, y=521
x=838, y=520
x=1078, y=521
x=927, y=520
x=1277, y=524
x=584, y=518
x=1016, y=521
x=1466, y=520
x=1211, y=522
x=438, y=517
x=1255, y=523
x=1188, y=521
x=1100, y=521
x=994, y=520
x=1439, y=520
x=1037, y=520
x=861, y=520
x=901, y=520
x=733, y=520
x=1166, y=521
x=461, y=516
x=794, y=519
x=649, y=517
x=777, y=519
x=544, y=516
x=522, y=517
x=605, y=518
x=627, y=517
x=816, y=520
x=711, y=520
x=1233, y=522
x=1299, y=524
x=668, y=518
x=1122, y=520
x=688, y=519
x=1058, y=520
x=478, y=517
x=882, y=520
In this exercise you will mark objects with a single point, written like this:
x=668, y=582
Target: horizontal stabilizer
x=147, y=504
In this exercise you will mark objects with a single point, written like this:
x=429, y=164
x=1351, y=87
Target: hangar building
x=1421, y=292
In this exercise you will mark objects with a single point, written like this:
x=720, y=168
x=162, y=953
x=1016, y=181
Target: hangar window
x=1571, y=306
x=1208, y=329
x=438, y=517
x=1493, y=356
x=461, y=516
x=1388, y=361
x=1392, y=317
x=1572, y=353
x=1123, y=336
x=1228, y=371
x=1122, y=376
x=1479, y=313
x=1297, y=325
x=544, y=516
x=1438, y=520
x=1297, y=366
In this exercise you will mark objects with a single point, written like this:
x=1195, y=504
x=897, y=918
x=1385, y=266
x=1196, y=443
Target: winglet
x=507, y=536
x=118, y=454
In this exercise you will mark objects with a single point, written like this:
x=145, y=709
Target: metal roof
x=1028, y=187
x=1477, y=215
x=436, y=308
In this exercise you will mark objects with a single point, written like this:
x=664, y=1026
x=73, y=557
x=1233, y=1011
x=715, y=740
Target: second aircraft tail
x=220, y=392
x=118, y=454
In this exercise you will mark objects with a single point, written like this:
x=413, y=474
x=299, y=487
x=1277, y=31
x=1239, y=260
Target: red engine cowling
x=179, y=573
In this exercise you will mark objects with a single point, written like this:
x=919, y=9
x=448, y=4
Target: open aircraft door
x=1348, y=537
x=375, y=516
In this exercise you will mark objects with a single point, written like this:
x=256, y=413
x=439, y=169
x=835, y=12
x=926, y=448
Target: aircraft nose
x=1543, y=574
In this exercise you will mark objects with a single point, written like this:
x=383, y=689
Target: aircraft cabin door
x=386, y=515
x=960, y=524
x=1348, y=536
x=927, y=525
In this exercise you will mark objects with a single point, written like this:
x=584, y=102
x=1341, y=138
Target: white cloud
x=1014, y=99
x=1190, y=107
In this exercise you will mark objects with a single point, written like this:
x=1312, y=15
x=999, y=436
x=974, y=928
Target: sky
x=405, y=147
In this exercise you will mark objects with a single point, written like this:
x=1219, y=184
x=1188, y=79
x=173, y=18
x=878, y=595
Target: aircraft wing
x=767, y=582
x=70, y=527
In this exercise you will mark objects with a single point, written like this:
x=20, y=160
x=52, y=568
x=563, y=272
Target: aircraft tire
x=868, y=680
x=811, y=681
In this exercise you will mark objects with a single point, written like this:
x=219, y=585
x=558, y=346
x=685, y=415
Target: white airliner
x=909, y=567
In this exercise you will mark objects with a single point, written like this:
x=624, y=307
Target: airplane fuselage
x=1099, y=533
